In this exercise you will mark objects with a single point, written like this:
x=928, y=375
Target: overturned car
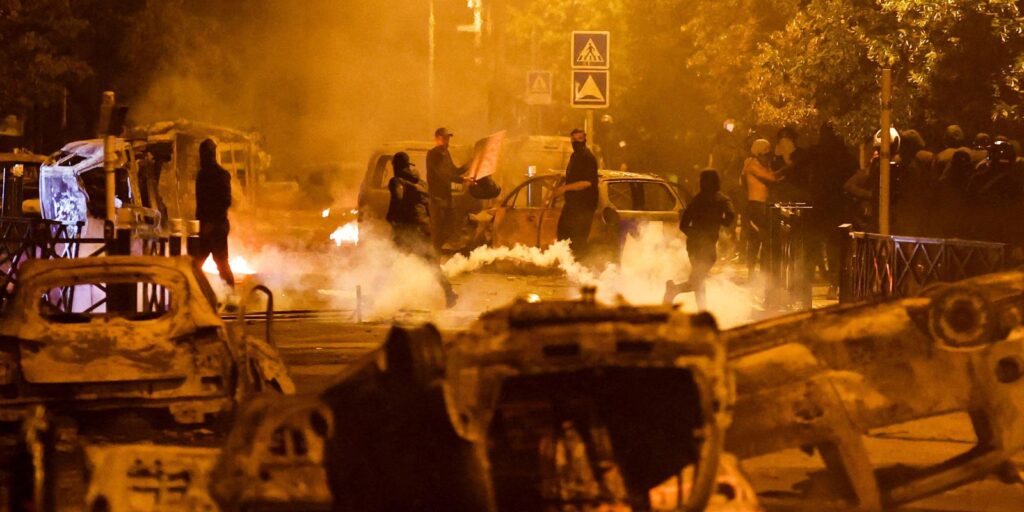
x=822, y=380
x=148, y=358
x=549, y=406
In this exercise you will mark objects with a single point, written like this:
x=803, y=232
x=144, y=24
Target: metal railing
x=789, y=272
x=23, y=239
x=879, y=267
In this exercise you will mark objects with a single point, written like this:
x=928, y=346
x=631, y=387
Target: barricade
x=879, y=267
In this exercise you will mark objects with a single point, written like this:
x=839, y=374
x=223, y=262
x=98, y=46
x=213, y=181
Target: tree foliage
x=37, y=52
x=953, y=61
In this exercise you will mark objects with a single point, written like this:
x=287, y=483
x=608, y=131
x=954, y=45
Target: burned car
x=529, y=214
x=822, y=380
x=146, y=358
x=550, y=406
x=273, y=457
x=72, y=189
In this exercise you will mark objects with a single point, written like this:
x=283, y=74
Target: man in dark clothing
x=580, y=190
x=441, y=173
x=409, y=216
x=213, y=198
x=952, y=141
x=701, y=221
x=832, y=165
x=995, y=197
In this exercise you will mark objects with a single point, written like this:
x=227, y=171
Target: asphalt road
x=317, y=348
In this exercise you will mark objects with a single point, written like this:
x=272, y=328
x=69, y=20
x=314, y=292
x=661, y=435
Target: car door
x=374, y=196
x=517, y=219
x=549, y=219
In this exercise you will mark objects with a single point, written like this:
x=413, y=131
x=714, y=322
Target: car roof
x=90, y=150
x=412, y=145
x=195, y=307
x=608, y=174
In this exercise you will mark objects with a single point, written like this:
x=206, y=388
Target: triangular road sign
x=589, y=90
x=540, y=85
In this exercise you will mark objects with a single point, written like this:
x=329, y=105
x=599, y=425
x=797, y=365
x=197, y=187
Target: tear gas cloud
x=394, y=283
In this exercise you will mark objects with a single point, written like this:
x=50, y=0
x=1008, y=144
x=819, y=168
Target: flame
x=239, y=266
x=326, y=213
x=533, y=298
x=347, y=234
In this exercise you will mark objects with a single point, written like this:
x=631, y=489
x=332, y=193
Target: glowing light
x=533, y=298
x=326, y=213
x=347, y=234
x=239, y=266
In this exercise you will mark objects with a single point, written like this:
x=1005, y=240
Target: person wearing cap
x=701, y=222
x=441, y=173
x=213, y=198
x=757, y=176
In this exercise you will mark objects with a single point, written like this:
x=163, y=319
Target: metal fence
x=787, y=263
x=878, y=267
x=23, y=239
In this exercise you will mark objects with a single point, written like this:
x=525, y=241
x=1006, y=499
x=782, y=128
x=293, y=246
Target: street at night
x=511, y=255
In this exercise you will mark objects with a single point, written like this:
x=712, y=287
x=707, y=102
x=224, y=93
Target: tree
x=803, y=62
x=37, y=53
x=725, y=36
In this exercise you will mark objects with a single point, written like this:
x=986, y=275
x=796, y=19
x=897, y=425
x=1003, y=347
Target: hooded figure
x=213, y=198
x=407, y=208
x=701, y=221
x=409, y=216
x=580, y=191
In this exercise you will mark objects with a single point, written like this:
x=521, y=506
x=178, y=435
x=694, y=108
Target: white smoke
x=392, y=283
x=558, y=256
x=648, y=259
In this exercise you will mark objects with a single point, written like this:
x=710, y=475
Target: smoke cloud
x=395, y=284
x=324, y=81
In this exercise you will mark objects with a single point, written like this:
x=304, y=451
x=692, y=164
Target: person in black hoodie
x=409, y=216
x=709, y=211
x=213, y=198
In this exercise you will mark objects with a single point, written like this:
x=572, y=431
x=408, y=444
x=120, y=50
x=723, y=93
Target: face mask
x=578, y=146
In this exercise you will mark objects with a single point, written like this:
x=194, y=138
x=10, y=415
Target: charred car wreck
x=534, y=408
x=569, y=404
x=823, y=379
x=82, y=386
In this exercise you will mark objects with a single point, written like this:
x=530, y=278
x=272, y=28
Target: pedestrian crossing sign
x=590, y=49
x=538, y=88
x=589, y=88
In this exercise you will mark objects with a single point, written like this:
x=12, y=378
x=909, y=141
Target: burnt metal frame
x=878, y=267
x=22, y=239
